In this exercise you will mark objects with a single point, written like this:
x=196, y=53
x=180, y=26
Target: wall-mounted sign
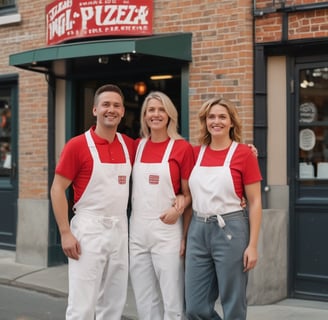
x=307, y=139
x=308, y=112
x=72, y=19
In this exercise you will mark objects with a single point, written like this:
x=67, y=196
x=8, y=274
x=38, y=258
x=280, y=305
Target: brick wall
x=33, y=102
x=222, y=52
x=222, y=65
x=301, y=25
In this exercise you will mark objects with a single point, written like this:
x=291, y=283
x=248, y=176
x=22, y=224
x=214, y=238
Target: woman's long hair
x=172, y=126
x=235, y=130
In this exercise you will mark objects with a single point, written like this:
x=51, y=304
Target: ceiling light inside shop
x=305, y=84
x=128, y=57
x=140, y=87
x=103, y=60
x=161, y=77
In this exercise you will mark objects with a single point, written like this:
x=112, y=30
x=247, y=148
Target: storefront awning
x=175, y=46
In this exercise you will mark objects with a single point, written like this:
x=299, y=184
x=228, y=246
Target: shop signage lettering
x=71, y=19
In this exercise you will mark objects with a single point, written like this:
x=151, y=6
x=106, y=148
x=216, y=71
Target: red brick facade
x=33, y=100
x=221, y=52
x=301, y=25
x=222, y=63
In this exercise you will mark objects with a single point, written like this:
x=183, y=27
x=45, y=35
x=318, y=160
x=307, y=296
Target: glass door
x=5, y=135
x=8, y=156
x=309, y=182
x=313, y=130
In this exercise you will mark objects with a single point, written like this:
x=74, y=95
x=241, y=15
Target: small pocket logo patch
x=153, y=179
x=121, y=179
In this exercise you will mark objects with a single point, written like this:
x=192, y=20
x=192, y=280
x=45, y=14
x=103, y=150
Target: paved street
x=22, y=304
x=21, y=297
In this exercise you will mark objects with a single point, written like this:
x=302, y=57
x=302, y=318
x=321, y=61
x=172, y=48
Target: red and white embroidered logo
x=121, y=179
x=153, y=179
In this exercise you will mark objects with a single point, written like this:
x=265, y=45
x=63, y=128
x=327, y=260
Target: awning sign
x=71, y=19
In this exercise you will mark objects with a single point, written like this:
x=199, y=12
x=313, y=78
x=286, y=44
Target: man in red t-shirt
x=98, y=165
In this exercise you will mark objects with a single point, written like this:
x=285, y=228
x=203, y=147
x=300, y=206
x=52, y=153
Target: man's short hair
x=108, y=88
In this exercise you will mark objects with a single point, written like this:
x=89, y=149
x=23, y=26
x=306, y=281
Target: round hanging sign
x=307, y=139
x=308, y=112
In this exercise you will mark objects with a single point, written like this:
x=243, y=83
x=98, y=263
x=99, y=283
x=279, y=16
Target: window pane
x=6, y=3
x=5, y=133
x=313, y=124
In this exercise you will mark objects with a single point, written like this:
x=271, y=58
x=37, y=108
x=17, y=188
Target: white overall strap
x=231, y=151
x=200, y=155
x=227, y=161
x=92, y=146
x=89, y=138
x=168, y=151
x=140, y=148
x=125, y=149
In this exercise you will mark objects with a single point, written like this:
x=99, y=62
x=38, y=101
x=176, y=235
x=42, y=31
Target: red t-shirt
x=244, y=165
x=181, y=159
x=76, y=162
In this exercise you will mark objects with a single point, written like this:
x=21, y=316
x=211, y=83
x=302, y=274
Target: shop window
x=5, y=132
x=313, y=125
x=9, y=13
x=7, y=6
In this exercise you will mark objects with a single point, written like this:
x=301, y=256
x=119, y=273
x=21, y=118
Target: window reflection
x=5, y=138
x=313, y=124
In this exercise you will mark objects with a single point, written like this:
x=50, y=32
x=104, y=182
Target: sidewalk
x=53, y=281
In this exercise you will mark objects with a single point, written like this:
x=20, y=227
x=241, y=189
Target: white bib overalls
x=217, y=238
x=98, y=280
x=156, y=267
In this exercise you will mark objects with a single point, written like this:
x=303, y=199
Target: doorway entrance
x=8, y=168
x=309, y=183
x=134, y=90
x=75, y=70
x=133, y=99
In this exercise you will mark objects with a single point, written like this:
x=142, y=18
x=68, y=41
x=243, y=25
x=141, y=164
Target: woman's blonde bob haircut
x=235, y=130
x=172, y=126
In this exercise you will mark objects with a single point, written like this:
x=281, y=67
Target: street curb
x=40, y=289
x=43, y=290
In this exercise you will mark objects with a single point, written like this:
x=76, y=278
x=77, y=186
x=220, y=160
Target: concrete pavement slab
x=53, y=280
x=290, y=309
x=10, y=271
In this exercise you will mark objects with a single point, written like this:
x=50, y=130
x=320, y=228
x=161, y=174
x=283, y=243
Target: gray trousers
x=214, y=267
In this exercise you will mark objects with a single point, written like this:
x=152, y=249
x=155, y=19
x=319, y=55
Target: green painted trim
x=185, y=101
x=176, y=46
x=69, y=110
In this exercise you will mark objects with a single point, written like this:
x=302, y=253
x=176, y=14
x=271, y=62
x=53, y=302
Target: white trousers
x=157, y=271
x=98, y=280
